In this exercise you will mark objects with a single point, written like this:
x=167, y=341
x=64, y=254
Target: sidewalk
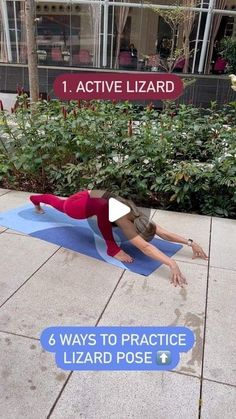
x=8, y=100
x=43, y=285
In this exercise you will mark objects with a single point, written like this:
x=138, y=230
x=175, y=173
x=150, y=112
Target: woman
x=164, y=48
x=135, y=225
x=134, y=55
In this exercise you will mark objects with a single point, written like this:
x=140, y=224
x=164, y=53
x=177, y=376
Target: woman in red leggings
x=135, y=225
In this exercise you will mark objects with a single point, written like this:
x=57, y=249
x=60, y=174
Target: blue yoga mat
x=81, y=236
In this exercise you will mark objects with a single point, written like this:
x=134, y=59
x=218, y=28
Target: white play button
x=117, y=209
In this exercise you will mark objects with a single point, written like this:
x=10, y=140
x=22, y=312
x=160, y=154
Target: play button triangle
x=117, y=209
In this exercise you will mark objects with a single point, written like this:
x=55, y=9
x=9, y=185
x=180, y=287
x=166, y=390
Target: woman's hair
x=144, y=227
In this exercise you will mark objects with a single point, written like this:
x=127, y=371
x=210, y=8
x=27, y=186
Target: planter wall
x=205, y=90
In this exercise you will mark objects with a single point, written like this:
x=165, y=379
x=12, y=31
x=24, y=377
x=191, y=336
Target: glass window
x=135, y=38
x=3, y=51
x=68, y=34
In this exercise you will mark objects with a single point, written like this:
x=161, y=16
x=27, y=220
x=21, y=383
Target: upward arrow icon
x=163, y=357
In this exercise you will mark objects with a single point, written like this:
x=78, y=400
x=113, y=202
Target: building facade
x=156, y=35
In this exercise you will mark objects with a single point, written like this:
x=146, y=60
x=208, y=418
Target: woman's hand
x=177, y=278
x=198, y=251
x=39, y=209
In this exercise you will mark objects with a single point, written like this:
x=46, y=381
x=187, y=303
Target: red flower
x=64, y=111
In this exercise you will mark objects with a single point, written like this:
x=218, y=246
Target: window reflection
x=64, y=34
x=135, y=38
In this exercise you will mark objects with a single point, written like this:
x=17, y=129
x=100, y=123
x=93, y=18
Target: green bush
x=182, y=158
x=228, y=50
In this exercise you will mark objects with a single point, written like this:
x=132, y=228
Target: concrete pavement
x=8, y=100
x=43, y=285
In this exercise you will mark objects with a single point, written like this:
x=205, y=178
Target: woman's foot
x=123, y=257
x=38, y=209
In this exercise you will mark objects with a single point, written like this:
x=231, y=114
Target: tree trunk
x=32, y=50
x=186, y=55
x=171, y=58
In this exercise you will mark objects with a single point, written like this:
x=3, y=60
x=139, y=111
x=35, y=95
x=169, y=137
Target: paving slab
x=190, y=226
x=220, y=344
x=13, y=199
x=223, y=243
x=30, y=380
x=20, y=257
x=70, y=289
x=153, y=301
x=3, y=191
x=218, y=401
x=149, y=212
x=10, y=231
x=122, y=395
x=8, y=100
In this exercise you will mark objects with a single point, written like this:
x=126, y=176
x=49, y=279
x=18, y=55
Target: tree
x=32, y=50
x=228, y=51
x=175, y=18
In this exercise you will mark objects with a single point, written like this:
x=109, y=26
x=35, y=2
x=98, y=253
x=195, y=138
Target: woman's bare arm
x=149, y=250
x=145, y=247
x=167, y=235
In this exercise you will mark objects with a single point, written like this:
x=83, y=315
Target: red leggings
x=81, y=206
